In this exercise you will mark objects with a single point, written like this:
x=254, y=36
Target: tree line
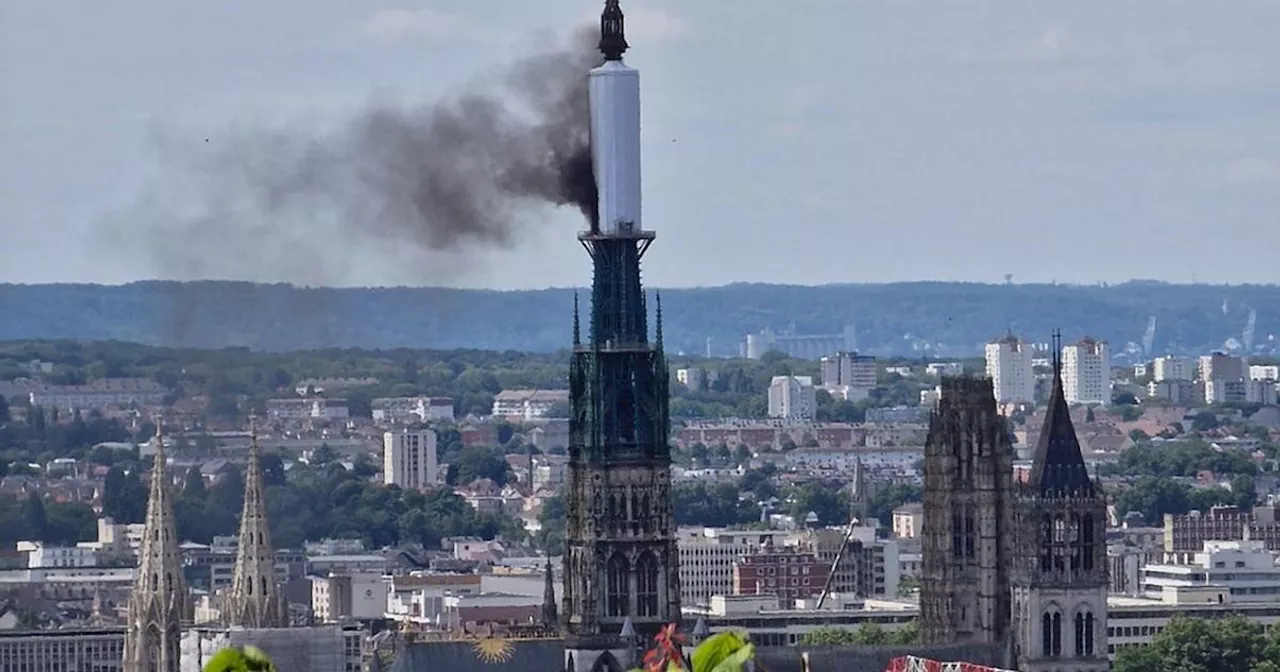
x=310, y=502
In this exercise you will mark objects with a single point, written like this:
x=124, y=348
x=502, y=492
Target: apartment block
x=790, y=574
x=707, y=556
x=409, y=459
x=1172, y=368
x=1010, y=369
x=521, y=405
x=1086, y=372
x=792, y=398
x=848, y=375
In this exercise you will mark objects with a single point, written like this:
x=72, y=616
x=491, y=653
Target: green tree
x=34, y=516
x=718, y=505
x=831, y=504
x=1203, y=645
x=480, y=462
x=194, y=487
x=551, y=518
x=867, y=634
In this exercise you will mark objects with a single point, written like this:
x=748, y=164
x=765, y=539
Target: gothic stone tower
x=968, y=500
x=159, y=602
x=255, y=600
x=1060, y=574
x=620, y=550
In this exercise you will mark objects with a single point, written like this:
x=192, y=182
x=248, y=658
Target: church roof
x=1059, y=467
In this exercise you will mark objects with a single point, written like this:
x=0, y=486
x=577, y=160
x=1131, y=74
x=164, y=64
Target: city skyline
x=978, y=130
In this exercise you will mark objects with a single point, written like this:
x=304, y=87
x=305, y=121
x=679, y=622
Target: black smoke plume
x=427, y=182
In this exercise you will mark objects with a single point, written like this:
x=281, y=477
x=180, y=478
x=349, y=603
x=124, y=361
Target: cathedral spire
x=550, y=617
x=1059, y=467
x=657, y=336
x=159, y=601
x=577, y=330
x=255, y=597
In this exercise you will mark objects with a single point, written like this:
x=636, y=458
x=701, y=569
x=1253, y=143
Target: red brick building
x=790, y=574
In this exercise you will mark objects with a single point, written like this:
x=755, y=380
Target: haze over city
x=1076, y=142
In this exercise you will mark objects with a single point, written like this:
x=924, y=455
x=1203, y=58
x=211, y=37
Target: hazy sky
x=807, y=141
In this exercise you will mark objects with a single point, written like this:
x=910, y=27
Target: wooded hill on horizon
x=916, y=318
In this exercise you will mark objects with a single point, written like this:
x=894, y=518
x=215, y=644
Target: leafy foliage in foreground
x=721, y=652
x=248, y=659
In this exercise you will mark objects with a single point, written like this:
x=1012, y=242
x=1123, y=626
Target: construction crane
x=831, y=573
x=1149, y=338
x=1247, y=336
x=857, y=509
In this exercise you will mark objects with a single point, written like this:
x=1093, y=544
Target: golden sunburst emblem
x=493, y=650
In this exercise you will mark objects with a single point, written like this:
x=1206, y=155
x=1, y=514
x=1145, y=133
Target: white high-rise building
x=409, y=459
x=1264, y=372
x=792, y=398
x=707, y=556
x=1009, y=368
x=1086, y=372
x=1171, y=368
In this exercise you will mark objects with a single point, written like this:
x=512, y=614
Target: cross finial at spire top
x=1057, y=352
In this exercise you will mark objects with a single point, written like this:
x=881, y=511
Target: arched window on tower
x=647, y=585
x=1079, y=633
x=1046, y=544
x=1059, y=544
x=1046, y=634
x=1087, y=547
x=957, y=540
x=1057, y=634
x=1088, y=633
x=618, y=597
x=1077, y=543
x=969, y=534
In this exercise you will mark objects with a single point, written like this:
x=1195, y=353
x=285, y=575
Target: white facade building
x=307, y=409
x=95, y=649
x=1245, y=568
x=1264, y=372
x=1086, y=372
x=328, y=648
x=707, y=555
x=521, y=405
x=1172, y=368
x=41, y=556
x=358, y=595
x=941, y=369
x=696, y=379
x=409, y=459
x=411, y=409
x=1010, y=370
x=792, y=398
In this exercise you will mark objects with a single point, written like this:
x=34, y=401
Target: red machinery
x=916, y=664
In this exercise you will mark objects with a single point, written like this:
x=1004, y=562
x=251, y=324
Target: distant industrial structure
x=802, y=346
